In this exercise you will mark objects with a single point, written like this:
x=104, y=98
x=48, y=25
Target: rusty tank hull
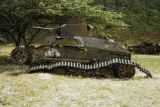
x=93, y=57
x=74, y=52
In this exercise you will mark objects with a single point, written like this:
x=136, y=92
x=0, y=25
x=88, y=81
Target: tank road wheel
x=124, y=71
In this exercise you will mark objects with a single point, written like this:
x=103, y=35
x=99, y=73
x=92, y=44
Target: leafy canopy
x=87, y=10
x=19, y=16
x=83, y=9
x=17, y=19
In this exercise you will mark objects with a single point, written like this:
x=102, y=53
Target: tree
x=19, y=16
x=141, y=16
x=88, y=10
x=2, y=38
x=17, y=19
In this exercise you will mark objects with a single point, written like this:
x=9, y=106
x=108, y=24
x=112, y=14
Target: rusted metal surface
x=74, y=49
x=71, y=30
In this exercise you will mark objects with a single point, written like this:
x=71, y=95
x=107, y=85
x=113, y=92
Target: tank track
x=97, y=66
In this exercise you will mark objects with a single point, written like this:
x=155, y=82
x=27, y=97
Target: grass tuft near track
x=49, y=90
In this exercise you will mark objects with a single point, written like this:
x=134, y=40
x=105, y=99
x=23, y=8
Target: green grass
x=49, y=90
x=148, y=61
x=5, y=49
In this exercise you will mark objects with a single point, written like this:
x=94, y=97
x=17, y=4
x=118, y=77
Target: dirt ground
x=50, y=90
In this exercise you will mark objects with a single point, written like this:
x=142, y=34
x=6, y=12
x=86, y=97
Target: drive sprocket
x=22, y=55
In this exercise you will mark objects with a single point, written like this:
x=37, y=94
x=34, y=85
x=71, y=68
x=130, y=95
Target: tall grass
x=49, y=90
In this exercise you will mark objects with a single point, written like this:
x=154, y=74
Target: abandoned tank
x=73, y=51
x=145, y=48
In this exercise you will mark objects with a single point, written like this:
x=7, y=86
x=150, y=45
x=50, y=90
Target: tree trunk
x=16, y=41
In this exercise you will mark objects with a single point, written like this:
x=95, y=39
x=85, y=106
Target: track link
x=93, y=66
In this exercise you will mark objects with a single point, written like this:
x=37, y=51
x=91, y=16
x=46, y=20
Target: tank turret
x=70, y=30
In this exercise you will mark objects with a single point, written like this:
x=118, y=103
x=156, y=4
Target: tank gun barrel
x=47, y=29
x=53, y=30
x=43, y=28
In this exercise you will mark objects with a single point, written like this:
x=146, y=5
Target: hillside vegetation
x=128, y=21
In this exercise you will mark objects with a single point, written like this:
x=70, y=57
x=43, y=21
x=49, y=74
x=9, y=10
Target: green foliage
x=109, y=17
x=86, y=9
x=2, y=38
x=17, y=18
x=142, y=16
